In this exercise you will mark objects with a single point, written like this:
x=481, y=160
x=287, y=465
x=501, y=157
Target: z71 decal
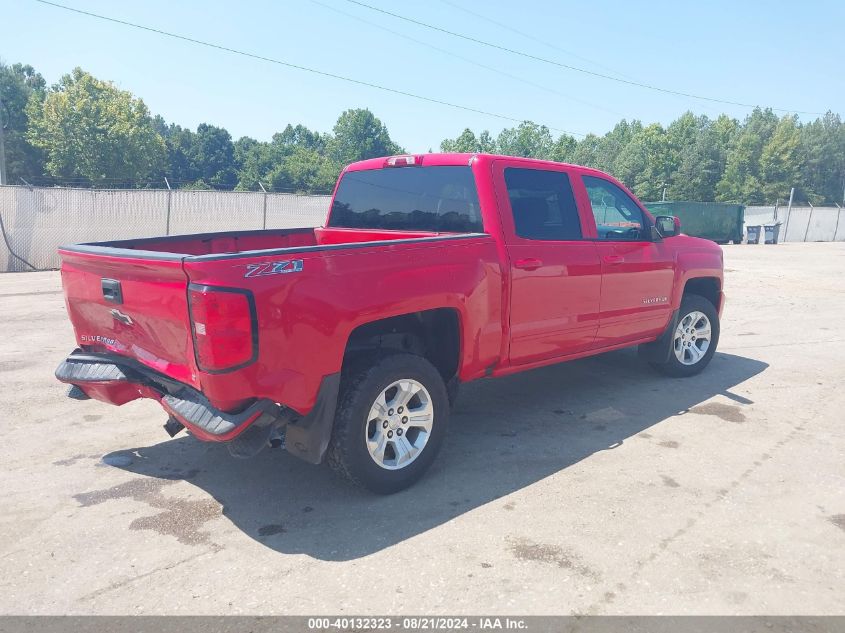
x=274, y=268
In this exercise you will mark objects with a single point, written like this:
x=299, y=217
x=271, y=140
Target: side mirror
x=668, y=225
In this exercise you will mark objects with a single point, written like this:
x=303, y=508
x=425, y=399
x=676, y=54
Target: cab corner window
x=543, y=204
x=617, y=216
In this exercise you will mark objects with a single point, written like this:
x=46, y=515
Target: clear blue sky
x=768, y=53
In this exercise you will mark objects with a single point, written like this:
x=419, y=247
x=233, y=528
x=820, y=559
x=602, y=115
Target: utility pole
x=3, y=180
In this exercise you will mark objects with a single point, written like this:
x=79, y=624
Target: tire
x=360, y=448
x=686, y=340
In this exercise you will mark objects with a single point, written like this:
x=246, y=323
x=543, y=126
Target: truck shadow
x=506, y=434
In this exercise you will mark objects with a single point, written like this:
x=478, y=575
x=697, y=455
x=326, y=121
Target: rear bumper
x=117, y=380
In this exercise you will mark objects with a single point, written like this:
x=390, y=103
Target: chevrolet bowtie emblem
x=123, y=318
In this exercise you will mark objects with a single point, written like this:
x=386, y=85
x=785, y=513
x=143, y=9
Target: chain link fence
x=37, y=220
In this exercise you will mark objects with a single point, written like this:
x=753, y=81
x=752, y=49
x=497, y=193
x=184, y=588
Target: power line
x=533, y=38
x=528, y=36
x=279, y=62
x=470, y=61
x=553, y=62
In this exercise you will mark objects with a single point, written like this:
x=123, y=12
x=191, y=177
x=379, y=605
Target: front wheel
x=694, y=340
x=391, y=419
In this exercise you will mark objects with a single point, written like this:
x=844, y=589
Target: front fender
x=696, y=258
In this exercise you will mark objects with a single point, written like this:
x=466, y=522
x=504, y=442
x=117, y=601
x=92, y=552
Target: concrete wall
x=38, y=220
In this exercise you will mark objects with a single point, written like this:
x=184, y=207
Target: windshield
x=438, y=199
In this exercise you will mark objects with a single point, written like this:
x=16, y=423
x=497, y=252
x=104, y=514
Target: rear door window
x=439, y=199
x=543, y=205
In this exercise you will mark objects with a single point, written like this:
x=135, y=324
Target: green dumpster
x=715, y=221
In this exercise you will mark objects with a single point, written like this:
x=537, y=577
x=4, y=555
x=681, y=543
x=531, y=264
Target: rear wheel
x=694, y=340
x=392, y=416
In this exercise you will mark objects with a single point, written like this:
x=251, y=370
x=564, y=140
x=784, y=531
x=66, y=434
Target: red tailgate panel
x=150, y=325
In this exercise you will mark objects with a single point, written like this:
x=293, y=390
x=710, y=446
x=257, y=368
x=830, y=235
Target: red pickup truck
x=347, y=343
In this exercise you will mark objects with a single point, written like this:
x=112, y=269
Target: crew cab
x=346, y=343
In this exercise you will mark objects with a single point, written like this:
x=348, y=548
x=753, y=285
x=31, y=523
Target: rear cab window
x=440, y=199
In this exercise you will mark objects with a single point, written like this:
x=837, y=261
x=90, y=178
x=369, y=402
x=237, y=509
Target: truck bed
x=262, y=242
x=138, y=299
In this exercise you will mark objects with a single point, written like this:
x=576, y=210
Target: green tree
x=469, y=143
x=527, y=139
x=726, y=130
x=18, y=84
x=281, y=163
x=486, y=143
x=179, y=143
x=644, y=164
x=741, y=180
x=293, y=137
x=823, y=147
x=251, y=162
x=681, y=134
x=359, y=135
x=212, y=156
x=466, y=142
x=564, y=148
x=587, y=152
x=699, y=166
x=304, y=171
x=781, y=159
x=613, y=144
x=90, y=129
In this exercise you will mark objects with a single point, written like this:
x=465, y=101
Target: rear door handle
x=613, y=259
x=529, y=263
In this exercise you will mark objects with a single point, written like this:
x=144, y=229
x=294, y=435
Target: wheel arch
x=709, y=287
x=434, y=334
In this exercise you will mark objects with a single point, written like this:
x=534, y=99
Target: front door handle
x=529, y=263
x=613, y=259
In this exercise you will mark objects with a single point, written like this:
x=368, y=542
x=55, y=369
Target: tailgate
x=133, y=306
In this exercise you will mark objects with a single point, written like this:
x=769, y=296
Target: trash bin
x=772, y=233
x=753, y=234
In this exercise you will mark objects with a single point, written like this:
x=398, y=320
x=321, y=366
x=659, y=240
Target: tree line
x=85, y=131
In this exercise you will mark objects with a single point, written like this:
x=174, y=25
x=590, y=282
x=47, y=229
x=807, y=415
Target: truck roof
x=447, y=158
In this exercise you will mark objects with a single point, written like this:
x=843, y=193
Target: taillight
x=224, y=327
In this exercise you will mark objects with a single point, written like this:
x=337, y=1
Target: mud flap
x=308, y=437
x=658, y=351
